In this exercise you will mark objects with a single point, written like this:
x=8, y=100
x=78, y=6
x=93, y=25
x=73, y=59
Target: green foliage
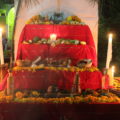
x=2, y=2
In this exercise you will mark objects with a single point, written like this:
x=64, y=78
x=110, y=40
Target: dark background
x=109, y=22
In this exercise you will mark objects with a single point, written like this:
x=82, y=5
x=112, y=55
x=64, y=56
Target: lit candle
x=113, y=71
x=53, y=37
x=1, y=48
x=109, y=51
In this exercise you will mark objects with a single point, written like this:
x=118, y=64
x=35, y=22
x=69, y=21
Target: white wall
x=87, y=11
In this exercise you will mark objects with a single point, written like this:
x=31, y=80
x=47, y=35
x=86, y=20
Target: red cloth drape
x=90, y=80
x=75, y=52
x=42, y=79
x=63, y=79
x=3, y=84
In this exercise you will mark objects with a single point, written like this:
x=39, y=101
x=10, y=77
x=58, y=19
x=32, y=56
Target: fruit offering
x=38, y=40
x=34, y=20
x=38, y=19
x=56, y=18
x=72, y=20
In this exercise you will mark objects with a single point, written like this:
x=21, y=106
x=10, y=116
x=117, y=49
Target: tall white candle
x=1, y=48
x=109, y=51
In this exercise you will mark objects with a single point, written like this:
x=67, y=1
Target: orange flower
x=61, y=100
x=2, y=99
x=68, y=100
x=90, y=98
x=2, y=93
x=19, y=95
x=9, y=98
x=78, y=99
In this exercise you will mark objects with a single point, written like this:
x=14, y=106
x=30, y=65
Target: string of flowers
x=20, y=97
x=71, y=69
x=69, y=100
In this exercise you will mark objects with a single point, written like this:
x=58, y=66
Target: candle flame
x=1, y=29
x=110, y=35
x=113, y=70
x=53, y=36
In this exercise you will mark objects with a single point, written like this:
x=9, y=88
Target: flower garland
x=69, y=100
x=35, y=98
x=71, y=69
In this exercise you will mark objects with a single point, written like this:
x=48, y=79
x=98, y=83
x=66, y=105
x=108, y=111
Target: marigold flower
x=19, y=95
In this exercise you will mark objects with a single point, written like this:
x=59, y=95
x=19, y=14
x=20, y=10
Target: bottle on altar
x=76, y=84
x=10, y=84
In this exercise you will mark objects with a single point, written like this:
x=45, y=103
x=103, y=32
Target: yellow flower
x=35, y=93
x=52, y=68
x=24, y=100
x=41, y=100
x=83, y=43
x=72, y=69
x=59, y=68
x=65, y=69
x=61, y=100
x=103, y=99
x=68, y=100
x=78, y=99
x=77, y=69
x=32, y=99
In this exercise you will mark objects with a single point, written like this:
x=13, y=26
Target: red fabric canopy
x=42, y=79
x=75, y=52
